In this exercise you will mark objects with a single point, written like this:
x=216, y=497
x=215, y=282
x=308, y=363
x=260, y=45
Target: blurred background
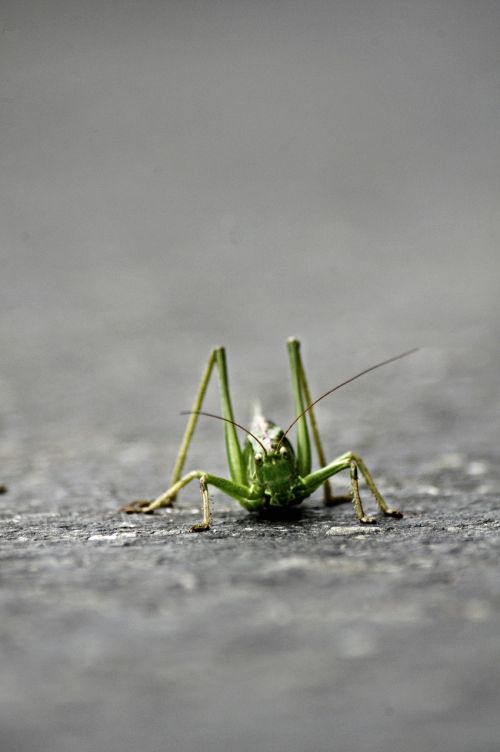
x=181, y=174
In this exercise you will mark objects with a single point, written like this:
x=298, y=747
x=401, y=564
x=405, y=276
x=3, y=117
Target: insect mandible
x=267, y=474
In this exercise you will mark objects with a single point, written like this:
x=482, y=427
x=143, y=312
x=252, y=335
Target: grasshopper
x=267, y=474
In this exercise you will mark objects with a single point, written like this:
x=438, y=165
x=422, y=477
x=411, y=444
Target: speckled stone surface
x=121, y=632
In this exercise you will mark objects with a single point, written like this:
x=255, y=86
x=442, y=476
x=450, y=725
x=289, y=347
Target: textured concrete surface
x=121, y=632
x=179, y=175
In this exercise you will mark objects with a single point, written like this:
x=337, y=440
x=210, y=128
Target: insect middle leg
x=352, y=462
x=303, y=398
x=233, y=450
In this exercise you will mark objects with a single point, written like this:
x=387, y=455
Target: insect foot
x=200, y=527
x=367, y=520
x=138, y=506
x=393, y=513
x=143, y=506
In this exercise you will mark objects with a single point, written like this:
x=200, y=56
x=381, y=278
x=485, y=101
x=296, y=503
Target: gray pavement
x=175, y=176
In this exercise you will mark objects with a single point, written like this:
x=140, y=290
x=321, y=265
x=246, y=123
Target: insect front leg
x=206, y=508
x=246, y=496
x=352, y=462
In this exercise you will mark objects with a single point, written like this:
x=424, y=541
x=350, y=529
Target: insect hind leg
x=302, y=399
x=234, y=455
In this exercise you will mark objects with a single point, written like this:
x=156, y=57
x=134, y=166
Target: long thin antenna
x=226, y=420
x=348, y=381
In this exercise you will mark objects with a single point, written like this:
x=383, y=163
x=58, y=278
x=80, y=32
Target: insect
x=267, y=474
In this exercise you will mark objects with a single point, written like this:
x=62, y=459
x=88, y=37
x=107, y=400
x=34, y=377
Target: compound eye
x=259, y=459
x=284, y=453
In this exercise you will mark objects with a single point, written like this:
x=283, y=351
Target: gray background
x=176, y=175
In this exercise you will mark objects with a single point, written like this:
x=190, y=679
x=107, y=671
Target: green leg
x=352, y=462
x=234, y=455
x=206, y=508
x=303, y=443
x=303, y=395
x=233, y=450
x=241, y=493
x=235, y=461
x=192, y=421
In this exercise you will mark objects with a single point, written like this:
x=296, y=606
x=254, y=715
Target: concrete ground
x=121, y=632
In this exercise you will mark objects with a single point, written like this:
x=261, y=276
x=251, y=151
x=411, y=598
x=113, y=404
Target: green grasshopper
x=267, y=474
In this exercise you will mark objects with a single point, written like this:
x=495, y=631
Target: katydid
x=267, y=473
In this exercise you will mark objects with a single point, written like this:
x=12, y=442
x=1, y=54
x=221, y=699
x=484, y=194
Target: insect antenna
x=347, y=381
x=226, y=420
